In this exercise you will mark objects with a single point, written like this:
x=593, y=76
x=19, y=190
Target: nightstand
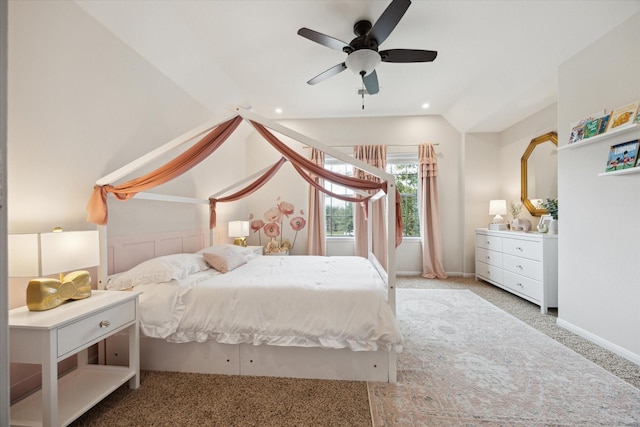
x=258, y=250
x=47, y=337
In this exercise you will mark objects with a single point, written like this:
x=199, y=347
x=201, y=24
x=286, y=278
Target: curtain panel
x=429, y=213
x=316, y=233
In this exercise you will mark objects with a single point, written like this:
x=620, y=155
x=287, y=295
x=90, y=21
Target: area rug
x=174, y=399
x=466, y=362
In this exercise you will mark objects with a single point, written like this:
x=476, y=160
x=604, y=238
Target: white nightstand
x=258, y=250
x=47, y=337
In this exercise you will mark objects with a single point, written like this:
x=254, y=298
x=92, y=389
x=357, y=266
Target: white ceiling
x=497, y=60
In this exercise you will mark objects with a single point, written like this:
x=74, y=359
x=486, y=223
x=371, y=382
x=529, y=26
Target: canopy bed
x=340, y=291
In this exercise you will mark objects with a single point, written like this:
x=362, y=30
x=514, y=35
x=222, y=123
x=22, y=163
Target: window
x=339, y=214
x=406, y=174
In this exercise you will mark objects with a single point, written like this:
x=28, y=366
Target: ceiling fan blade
x=323, y=39
x=408, y=55
x=388, y=20
x=371, y=83
x=336, y=69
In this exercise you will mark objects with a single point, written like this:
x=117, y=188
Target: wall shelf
x=601, y=137
x=621, y=172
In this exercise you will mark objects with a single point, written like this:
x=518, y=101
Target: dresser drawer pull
x=520, y=284
x=520, y=267
x=519, y=248
x=488, y=257
x=105, y=324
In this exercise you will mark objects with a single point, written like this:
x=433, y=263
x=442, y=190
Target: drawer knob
x=105, y=324
x=520, y=267
x=519, y=248
x=520, y=284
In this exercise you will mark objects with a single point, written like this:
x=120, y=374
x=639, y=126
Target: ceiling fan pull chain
x=362, y=92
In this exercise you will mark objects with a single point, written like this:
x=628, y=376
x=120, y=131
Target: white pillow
x=160, y=269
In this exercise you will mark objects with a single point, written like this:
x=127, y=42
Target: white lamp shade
x=497, y=207
x=23, y=256
x=69, y=250
x=238, y=228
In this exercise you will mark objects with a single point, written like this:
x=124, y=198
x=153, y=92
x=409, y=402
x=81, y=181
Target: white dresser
x=525, y=264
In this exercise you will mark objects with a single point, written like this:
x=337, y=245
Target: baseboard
x=419, y=273
x=614, y=348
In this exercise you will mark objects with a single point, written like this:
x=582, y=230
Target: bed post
x=103, y=268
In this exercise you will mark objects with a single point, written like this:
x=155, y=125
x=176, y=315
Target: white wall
x=599, y=291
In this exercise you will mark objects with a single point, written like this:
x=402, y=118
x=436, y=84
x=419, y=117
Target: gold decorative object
x=46, y=293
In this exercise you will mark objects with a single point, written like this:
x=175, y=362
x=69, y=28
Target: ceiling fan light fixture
x=363, y=60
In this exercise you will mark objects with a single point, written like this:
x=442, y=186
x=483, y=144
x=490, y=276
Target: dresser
x=525, y=264
x=47, y=337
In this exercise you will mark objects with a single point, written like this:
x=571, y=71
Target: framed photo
x=543, y=225
x=623, y=115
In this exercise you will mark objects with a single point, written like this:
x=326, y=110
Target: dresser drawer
x=489, y=257
x=522, y=266
x=523, y=248
x=493, y=243
x=83, y=331
x=526, y=286
x=489, y=272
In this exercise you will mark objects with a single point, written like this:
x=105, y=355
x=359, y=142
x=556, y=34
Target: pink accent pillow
x=224, y=261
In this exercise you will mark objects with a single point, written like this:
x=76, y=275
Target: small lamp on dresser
x=497, y=208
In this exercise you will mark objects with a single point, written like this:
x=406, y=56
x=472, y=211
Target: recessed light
x=425, y=105
x=279, y=110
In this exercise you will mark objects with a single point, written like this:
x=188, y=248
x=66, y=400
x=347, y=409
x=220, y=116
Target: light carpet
x=466, y=362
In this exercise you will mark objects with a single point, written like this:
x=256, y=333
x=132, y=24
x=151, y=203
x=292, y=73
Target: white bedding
x=307, y=301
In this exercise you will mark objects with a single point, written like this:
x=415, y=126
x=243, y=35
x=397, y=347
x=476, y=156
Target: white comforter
x=307, y=301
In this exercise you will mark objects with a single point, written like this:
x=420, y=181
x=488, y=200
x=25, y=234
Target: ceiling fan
x=362, y=52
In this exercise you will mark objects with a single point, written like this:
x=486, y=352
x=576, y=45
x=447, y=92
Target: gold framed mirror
x=539, y=172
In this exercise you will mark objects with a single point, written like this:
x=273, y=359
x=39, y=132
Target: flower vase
x=553, y=226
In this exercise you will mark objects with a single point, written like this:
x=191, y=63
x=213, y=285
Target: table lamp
x=45, y=254
x=497, y=208
x=239, y=230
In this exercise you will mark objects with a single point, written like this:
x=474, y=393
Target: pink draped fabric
x=97, y=211
x=316, y=232
x=374, y=155
x=244, y=192
x=429, y=213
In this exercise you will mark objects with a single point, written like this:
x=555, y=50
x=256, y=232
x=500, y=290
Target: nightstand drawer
x=523, y=248
x=78, y=334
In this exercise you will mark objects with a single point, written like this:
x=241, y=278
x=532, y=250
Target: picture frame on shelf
x=622, y=156
x=624, y=115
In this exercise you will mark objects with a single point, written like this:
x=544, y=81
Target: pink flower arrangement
x=272, y=226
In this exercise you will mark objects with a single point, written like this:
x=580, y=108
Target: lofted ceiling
x=497, y=60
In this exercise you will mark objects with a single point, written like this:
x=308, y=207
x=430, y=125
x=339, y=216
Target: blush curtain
x=374, y=155
x=316, y=231
x=429, y=217
x=97, y=211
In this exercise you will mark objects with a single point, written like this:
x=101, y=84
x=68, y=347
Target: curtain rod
x=386, y=145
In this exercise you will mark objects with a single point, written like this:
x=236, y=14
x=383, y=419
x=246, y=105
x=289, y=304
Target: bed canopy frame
x=388, y=275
